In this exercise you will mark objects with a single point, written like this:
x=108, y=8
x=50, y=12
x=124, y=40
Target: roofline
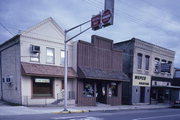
x=10, y=40
x=136, y=39
x=43, y=22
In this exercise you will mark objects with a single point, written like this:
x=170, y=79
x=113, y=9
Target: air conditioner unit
x=35, y=49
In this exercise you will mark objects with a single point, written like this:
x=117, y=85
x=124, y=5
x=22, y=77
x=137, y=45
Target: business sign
x=96, y=22
x=161, y=83
x=141, y=80
x=42, y=80
x=109, y=7
x=105, y=18
x=165, y=67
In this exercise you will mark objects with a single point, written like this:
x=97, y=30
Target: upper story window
x=170, y=63
x=62, y=55
x=147, y=62
x=35, y=57
x=139, y=61
x=163, y=61
x=35, y=53
x=157, y=65
x=50, y=58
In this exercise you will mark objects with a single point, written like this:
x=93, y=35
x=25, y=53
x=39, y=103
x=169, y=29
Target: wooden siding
x=101, y=56
x=118, y=99
x=83, y=100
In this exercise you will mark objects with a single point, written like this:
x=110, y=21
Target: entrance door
x=142, y=94
x=101, y=92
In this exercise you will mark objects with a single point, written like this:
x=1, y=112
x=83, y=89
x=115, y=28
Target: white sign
x=42, y=80
x=141, y=80
x=160, y=83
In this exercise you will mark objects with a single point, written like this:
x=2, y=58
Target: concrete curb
x=71, y=111
x=124, y=109
x=106, y=110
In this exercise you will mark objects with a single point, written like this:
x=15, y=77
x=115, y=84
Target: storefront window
x=113, y=89
x=42, y=87
x=88, y=89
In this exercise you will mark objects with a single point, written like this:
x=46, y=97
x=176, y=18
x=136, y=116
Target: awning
x=94, y=73
x=174, y=87
x=46, y=70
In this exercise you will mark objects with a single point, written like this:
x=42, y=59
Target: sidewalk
x=21, y=110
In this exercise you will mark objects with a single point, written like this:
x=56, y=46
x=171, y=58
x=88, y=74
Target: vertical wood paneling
x=98, y=54
x=94, y=57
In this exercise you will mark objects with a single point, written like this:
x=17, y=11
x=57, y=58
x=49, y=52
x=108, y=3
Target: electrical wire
x=6, y=29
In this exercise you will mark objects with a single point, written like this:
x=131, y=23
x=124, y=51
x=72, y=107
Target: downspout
x=1, y=78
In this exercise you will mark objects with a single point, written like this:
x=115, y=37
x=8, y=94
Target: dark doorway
x=142, y=94
x=101, y=92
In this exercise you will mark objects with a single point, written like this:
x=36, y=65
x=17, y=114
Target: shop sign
x=165, y=67
x=41, y=80
x=161, y=83
x=141, y=80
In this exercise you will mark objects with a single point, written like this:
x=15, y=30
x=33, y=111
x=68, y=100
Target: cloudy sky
x=154, y=21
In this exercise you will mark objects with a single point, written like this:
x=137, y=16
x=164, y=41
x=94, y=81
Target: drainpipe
x=1, y=78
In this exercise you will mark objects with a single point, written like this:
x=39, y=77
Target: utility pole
x=103, y=19
x=65, y=58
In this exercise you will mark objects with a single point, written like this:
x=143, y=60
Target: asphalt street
x=156, y=114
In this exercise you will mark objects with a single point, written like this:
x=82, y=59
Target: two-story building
x=150, y=68
x=31, y=66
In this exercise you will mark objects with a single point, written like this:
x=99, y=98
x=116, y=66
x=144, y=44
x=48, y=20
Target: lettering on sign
x=141, y=80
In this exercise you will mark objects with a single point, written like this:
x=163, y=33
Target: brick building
x=150, y=68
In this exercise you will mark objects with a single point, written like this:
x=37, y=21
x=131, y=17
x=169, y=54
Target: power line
x=6, y=28
x=131, y=18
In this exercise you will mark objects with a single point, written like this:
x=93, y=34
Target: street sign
x=96, y=22
x=106, y=18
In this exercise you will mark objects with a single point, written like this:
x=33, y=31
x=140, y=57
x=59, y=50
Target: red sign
x=106, y=17
x=96, y=22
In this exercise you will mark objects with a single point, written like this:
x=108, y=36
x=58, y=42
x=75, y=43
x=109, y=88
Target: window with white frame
x=35, y=57
x=34, y=53
x=50, y=58
x=62, y=56
x=139, y=61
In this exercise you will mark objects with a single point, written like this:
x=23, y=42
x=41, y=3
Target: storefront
x=160, y=90
x=44, y=84
x=105, y=88
x=141, y=88
x=99, y=69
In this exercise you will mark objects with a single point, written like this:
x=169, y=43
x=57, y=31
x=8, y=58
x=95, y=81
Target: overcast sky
x=154, y=21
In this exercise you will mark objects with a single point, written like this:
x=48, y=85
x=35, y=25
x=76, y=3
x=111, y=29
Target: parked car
x=176, y=103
